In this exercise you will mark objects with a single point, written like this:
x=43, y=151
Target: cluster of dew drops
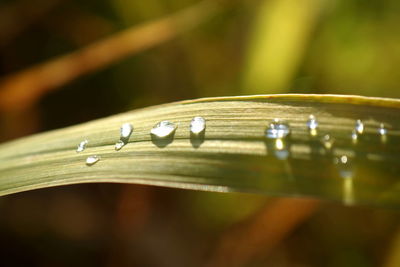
x=276, y=130
x=279, y=129
x=163, y=129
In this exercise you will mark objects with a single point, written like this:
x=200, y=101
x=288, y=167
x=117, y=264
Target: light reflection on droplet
x=344, y=166
x=327, y=141
x=359, y=127
x=197, y=125
x=279, y=144
x=346, y=169
x=282, y=154
x=280, y=149
x=312, y=125
x=82, y=145
x=277, y=129
x=343, y=159
x=382, y=132
x=119, y=145
x=92, y=160
x=126, y=130
x=354, y=137
x=163, y=129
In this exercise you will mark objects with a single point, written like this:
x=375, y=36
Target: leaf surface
x=233, y=154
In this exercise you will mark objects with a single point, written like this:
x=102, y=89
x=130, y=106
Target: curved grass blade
x=232, y=154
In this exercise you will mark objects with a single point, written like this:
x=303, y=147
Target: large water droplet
x=126, y=130
x=81, y=146
x=277, y=129
x=197, y=125
x=92, y=160
x=163, y=129
x=359, y=127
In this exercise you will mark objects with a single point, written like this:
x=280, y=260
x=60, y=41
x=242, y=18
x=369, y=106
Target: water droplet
x=81, y=146
x=344, y=166
x=312, y=123
x=382, y=132
x=277, y=129
x=346, y=170
x=197, y=125
x=163, y=129
x=327, y=141
x=354, y=137
x=343, y=159
x=126, y=130
x=119, y=145
x=92, y=160
x=359, y=127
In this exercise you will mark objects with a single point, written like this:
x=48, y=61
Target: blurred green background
x=241, y=47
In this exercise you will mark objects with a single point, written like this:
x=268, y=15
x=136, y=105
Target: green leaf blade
x=233, y=155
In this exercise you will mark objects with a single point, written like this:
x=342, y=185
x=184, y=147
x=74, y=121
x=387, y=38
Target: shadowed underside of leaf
x=232, y=155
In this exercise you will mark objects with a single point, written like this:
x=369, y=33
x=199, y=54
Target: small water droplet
x=343, y=159
x=81, y=146
x=277, y=129
x=126, y=130
x=92, y=160
x=197, y=125
x=163, y=129
x=344, y=166
x=119, y=145
x=327, y=141
x=312, y=125
x=359, y=127
x=354, y=137
x=382, y=132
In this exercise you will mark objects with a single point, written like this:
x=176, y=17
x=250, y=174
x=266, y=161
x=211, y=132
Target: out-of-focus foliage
x=263, y=46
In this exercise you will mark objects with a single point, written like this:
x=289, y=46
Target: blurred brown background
x=63, y=62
